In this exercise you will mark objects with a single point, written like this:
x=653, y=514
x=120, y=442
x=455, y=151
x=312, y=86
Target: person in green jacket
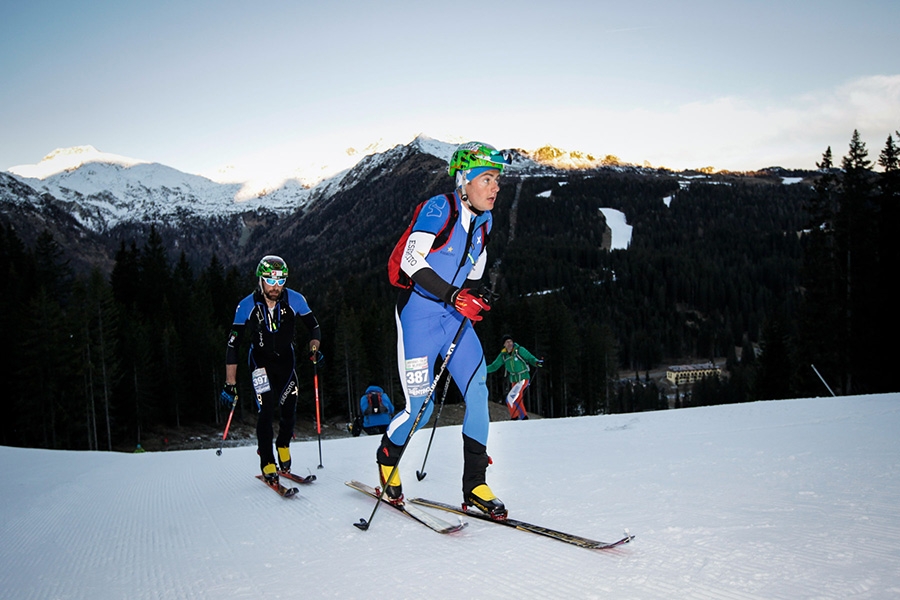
x=515, y=359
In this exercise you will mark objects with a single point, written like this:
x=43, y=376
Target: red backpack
x=395, y=274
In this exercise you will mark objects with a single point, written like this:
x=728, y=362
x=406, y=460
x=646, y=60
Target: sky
x=208, y=84
x=757, y=501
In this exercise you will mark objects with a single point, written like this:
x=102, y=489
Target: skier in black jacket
x=269, y=316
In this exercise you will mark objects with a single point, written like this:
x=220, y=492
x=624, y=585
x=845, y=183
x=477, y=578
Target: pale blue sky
x=201, y=84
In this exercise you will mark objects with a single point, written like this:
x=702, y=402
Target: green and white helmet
x=475, y=155
x=272, y=267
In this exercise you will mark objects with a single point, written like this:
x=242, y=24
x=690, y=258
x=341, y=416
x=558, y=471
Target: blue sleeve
x=297, y=302
x=244, y=308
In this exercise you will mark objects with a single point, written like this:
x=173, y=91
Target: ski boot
x=484, y=499
x=475, y=490
x=270, y=474
x=284, y=459
x=393, y=489
x=387, y=456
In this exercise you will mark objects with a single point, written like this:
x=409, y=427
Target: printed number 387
x=416, y=377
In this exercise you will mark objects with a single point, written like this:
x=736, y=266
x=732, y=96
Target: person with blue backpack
x=439, y=263
x=376, y=410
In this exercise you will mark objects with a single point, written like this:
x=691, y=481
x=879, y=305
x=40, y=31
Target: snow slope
x=790, y=499
x=621, y=230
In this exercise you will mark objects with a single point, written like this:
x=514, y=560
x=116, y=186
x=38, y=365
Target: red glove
x=469, y=303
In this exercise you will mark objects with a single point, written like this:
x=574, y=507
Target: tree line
x=776, y=278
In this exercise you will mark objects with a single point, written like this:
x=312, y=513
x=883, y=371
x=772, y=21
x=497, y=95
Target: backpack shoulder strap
x=443, y=236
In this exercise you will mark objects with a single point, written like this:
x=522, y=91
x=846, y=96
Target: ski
x=568, y=538
x=439, y=525
x=297, y=478
x=284, y=492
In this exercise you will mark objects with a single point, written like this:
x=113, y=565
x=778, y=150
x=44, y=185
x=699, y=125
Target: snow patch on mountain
x=618, y=225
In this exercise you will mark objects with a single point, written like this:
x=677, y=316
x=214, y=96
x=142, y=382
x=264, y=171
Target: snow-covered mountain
x=102, y=190
x=69, y=159
x=758, y=501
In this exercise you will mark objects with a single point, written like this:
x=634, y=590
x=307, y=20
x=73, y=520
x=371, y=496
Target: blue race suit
x=427, y=325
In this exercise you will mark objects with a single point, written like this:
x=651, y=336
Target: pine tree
x=13, y=302
x=48, y=357
x=820, y=337
x=96, y=316
x=155, y=280
x=125, y=277
x=857, y=252
x=889, y=158
x=888, y=254
x=348, y=350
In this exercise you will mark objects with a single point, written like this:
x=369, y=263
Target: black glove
x=539, y=363
x=487, y=294
x=229, y=395
x=317, y=357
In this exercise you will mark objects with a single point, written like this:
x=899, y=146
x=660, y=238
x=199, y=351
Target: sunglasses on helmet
x=497, y=157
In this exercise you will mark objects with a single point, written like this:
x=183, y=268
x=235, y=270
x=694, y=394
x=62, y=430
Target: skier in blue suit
x=445, y=296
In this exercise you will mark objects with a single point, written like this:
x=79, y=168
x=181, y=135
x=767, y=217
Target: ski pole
x=227, y=426
x=318, y=415
x=822, y=378
x=420, y=475
x=363, y=524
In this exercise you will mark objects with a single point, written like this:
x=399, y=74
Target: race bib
x=418, y=382
x=261, y=381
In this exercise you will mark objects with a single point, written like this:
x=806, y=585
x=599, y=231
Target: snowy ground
x=791, y=499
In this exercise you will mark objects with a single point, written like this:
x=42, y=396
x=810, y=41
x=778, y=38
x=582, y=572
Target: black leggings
x=282, y=396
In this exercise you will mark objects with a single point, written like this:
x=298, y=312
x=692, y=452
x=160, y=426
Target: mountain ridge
x=109, y=199
x=105, y=189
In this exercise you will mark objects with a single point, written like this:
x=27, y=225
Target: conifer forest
x=765, y=278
